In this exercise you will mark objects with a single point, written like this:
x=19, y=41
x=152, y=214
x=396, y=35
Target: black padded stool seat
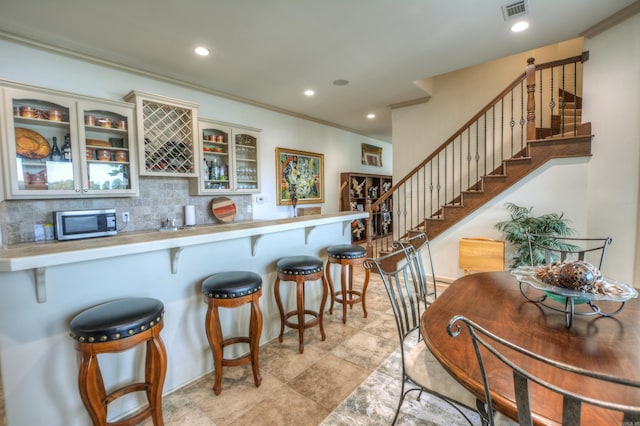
x=115, y=327
x=347, y=251
x=116, y=320
x=229, y=285
x=347, y=256
x=300, y=269
x=299, y=265
x=230, y=290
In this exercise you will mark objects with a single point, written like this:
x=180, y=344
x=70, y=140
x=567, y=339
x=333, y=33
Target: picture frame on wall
x=300, y=177
x=371, y=155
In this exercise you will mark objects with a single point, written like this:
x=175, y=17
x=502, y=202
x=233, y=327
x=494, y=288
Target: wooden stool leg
x=364, y=291
x=325, y=290
x=328, y=273
x=300, y=307
x=255, y=330
x=155, y=371
x=345, y=294
x=276, y=291
x=214, y=335
x=91, y=388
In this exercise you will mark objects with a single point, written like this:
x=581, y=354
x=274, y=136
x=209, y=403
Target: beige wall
x=585, y=190
x=613, y=106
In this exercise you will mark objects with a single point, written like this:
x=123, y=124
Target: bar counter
x=43, y=286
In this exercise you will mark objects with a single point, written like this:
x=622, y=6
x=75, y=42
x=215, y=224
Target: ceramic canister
x=121, y=156
x=103, y=154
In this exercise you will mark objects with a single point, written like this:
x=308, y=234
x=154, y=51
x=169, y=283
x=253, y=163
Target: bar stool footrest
x=307, y=324
x=338, y=297
x=133, y=387
x=232, y=362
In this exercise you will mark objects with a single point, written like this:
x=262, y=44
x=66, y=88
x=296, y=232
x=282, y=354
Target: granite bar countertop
x=49, y=253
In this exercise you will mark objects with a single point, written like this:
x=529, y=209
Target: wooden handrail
x=527, y=77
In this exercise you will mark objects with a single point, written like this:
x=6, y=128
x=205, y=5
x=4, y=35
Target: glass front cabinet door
x=228, y=159
x=45, y=146
x=109, y=160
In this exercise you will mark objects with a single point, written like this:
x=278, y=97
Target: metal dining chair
x=421, y=372
x=487, y=343
x=545, y=249
x=422, y=249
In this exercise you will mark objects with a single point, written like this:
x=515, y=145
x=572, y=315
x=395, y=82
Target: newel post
x=369, y=228
x=530, y=76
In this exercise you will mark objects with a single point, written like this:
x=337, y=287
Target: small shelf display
x=216, y=160
x=107, y=150
x=356, y=190
x=61, y=145
x=41, y=128
x=246, y=161
x=229, y=159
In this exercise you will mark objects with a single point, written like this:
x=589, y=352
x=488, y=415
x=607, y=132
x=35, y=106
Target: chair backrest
x=491, y=345
x=405, y=287
x=544, y=249
x=422, y=249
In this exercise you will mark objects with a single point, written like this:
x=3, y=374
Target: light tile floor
x=351, y=372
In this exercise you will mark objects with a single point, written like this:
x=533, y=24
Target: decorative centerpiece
x=573, y=283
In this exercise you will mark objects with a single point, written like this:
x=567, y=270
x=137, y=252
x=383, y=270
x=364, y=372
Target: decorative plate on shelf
x=609, y=289
x=31, y=144
x=223, y=209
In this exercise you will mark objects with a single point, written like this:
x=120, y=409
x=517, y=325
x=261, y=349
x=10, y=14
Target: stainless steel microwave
x=76, y=224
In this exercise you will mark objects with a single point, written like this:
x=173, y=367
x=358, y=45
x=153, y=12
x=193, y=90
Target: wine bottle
x=205, y=170
x=66, y=148
x=215, y=173
x=55, y=151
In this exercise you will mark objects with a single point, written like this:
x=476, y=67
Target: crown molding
x=612, y=20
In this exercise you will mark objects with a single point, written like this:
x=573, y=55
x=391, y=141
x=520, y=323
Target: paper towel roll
x=189, y=215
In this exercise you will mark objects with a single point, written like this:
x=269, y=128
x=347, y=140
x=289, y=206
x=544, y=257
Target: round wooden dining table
x=493, y=300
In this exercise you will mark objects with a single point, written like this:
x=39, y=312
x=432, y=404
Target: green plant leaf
x=522, y=223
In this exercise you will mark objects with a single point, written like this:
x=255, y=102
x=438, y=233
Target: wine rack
x=167, y=135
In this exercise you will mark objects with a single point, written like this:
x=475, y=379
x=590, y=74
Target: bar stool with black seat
x=230, y=290
x=300, y=269
x=115, y=327
x=348, y=256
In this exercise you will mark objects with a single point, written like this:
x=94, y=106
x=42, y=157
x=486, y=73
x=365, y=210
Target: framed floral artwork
x=300, y=177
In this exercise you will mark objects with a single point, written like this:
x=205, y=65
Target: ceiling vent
x=515, y=9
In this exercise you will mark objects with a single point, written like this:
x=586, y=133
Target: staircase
x=499, y=146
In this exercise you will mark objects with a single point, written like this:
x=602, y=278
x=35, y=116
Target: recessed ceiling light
x=309, y=92
x=340, y=82
x=202, y=51
x=520, y=26
x=370, y=116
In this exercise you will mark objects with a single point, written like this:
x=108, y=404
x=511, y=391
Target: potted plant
x=522, y=223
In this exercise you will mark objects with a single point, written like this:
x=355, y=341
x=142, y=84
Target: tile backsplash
x=160, y=198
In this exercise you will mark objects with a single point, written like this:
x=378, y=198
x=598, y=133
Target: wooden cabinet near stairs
x=355, y=190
